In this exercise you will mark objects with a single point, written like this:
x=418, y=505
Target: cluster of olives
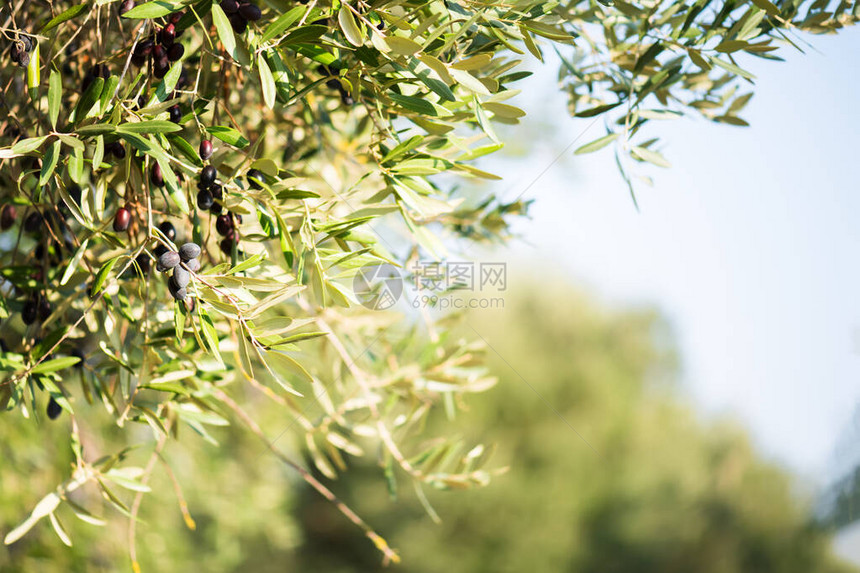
x=226, y=227
x=37, y=307
x=183, y=263
x=240, y=12
x=210, y=193
x=161, y=48
x=20, y=51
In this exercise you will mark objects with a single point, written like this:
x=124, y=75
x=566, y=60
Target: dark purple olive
x=24, y=60
x=15, y=53
x=216, y=207
x=117, y=150
x=161, y=67
x=189, y=251
x=126, y=6
x=175, y=53
x=27, y=43
x=207, y=175
x=8, y=216
x=227, y=245
x=175, y=114
x=238, y=23
x=205, y=149
x=178, y=292
x=167, y=261
x=44, y=308
x=176, y=17
x=204, y=200
x=29, y=312
x=333, y=84
x=159, y=250
x=168, y=35
x=121, y=220
x=181, y=277
x=155, y=176
x=250, y=12
x=229, y=6
x=255, y=177
x=168, y=229
x=143, y=263
x=53, y=410
x=33, y=222
x=224, y=224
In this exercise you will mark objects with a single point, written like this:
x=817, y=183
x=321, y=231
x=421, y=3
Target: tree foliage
x=331, y=122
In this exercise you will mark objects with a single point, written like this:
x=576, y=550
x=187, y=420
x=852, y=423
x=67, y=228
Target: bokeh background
x=673, y=381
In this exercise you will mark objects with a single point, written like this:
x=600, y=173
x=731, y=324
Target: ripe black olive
x=238, y=23
x=53, y=410
x=159, y=250
x=175, y=114
x=126, y=6
x=8, y=216
x=33, y=222
x=181, y=277
x=167, y=261
x=168, y=229
x=44, y=308
x=121, y=220
x=207, y=175
x=155, y=176
x=117, y=150
x=252, y=175
x=29, y=312
x=250, y=12
x=205, y=149
x=229, y=6
x=224, y=224
x=143, y=263
x=205, y=200
x=227, y=245
x=175, y=53
x=189, y=251
x=178, y=292
x=168, y=35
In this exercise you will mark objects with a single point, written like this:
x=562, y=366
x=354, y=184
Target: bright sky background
x=749, y=243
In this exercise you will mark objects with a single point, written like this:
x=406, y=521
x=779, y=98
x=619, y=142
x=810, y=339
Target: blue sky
x=748, y=244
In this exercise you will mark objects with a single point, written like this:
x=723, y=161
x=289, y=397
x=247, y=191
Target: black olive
x=155, y=176
x=53, y=410
x=189, y=251
x=255, y=177
x=167, y=261
x=33, y=222
x=181, y=277
x=143, y=262
x=250, y=12
x=207, y=175
x=29, y=312
x=205, y=200
x=205, y=149
x=121, y=220
x=224, y=224
x=8, y=216
x=168, y=229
